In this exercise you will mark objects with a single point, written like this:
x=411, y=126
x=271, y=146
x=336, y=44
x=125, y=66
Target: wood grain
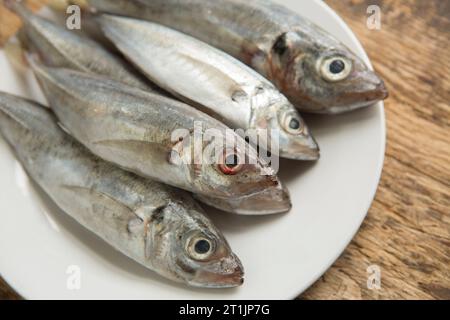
x=10, y=23
x=407, y=230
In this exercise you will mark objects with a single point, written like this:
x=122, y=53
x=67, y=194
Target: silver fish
x=152, y=223
x=154, y=136
x=215, y=82
x=270, y=201
x=59, y=47
x=312, y=68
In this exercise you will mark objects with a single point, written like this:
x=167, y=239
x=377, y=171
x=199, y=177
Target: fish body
x=152, y=223
x=314, y=70
x=152, y=135
x=270, y=201
x=60, y=47
x=215, y=82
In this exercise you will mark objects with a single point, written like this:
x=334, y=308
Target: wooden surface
x=407, y=230
x=9, y=23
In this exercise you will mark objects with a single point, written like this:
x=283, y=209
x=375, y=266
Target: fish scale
x=214, y=82
x=133, y=129
x=286, y=48
x=107, y=200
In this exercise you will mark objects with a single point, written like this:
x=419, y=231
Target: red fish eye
x=230, y=164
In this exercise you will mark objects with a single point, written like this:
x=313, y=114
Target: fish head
x=286, y=133
x=319, y=74
x=189, y=248
x=231, y=168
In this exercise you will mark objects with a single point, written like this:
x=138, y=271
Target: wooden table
x=407, y=230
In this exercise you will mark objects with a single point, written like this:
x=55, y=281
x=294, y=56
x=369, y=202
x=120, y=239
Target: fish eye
x=335, y=68
x=200, y=247
x=292, y=123
x=230, y=163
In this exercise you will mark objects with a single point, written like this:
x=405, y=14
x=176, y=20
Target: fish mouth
x=371, y=97
x=266, y=209
x=377, y=93
x=207, y=279
x=304, y=154
x=272, y=201
x=307, y=149
x=364, y=99
x=248, y=189
x=381, y=92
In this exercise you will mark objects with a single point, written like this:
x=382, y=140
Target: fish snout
x=373, y=93
x=367, y=89
x=260, y=182
x=373, y=87
x=304, y=147
x=223, y=278
x=227, y=272
x=381, y=92
x=234, y=279
x=272, y=201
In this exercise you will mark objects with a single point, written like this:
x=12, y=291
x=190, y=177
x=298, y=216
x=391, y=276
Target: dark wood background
x=407, y=230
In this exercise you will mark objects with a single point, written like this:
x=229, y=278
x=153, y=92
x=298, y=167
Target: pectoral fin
x=100, y=210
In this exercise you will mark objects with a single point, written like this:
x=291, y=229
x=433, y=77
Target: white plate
x=282, y=255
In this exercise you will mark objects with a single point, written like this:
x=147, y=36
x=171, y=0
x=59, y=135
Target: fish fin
x=102, y=209
x=146, y=215
x=157, y=227
x=176, y=152
x=213, y=74
x=136, y=226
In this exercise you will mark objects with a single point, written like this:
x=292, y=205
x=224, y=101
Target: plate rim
x=380, y=164
x=379, y=170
